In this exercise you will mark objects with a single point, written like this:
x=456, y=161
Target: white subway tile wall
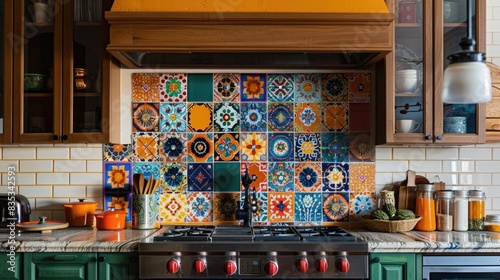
x=51, y=175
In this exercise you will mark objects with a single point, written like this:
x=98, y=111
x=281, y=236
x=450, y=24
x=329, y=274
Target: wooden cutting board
x=405, y=192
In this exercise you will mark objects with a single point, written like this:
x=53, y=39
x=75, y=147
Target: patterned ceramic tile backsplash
x=305, y=136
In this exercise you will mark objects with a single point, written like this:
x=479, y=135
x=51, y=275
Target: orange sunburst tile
x=335, y=117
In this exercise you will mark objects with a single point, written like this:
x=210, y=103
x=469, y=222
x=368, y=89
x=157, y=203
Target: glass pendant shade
x=466, y=82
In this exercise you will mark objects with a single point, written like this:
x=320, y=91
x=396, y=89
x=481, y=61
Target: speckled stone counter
x=73, y=239
x=431, y=242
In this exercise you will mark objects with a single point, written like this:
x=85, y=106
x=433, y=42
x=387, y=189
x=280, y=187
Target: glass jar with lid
x=425, y=207
x=461, y=210
x=492, y=223
x=476, y=210
x=444, y=210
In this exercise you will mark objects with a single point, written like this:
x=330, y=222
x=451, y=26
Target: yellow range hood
x=294, y=34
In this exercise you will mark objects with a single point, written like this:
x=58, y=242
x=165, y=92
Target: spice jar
x=444, y=210
x=386, y=197
x=492, y=223
x=425, y=207
x=461, y=210
x=476, y=210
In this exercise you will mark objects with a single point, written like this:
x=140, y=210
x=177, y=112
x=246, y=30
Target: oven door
x=461, y=267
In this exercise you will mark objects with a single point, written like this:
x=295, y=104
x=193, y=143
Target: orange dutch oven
x=80, y=214
x=110, y=220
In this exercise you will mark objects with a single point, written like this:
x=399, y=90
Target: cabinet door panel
x=118, y=266
x=392, y=266
x=10, y=269
x=49, y=266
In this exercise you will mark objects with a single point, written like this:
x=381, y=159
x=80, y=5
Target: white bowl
x=406, y=84
x=408, y=72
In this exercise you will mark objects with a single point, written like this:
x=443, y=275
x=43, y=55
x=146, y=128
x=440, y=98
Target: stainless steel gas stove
x=235, y=252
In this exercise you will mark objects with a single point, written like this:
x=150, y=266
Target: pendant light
x=467, y=78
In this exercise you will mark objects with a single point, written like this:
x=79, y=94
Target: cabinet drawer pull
x=65, y=258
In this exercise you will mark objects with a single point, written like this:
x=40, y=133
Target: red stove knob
x=199, y=266
x=271, y=268
x=229, y=267
x=302, y=265
x=172, y=266
x=321, y=265
x=343, y=265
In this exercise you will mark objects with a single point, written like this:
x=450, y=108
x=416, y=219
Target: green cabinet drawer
x=50, y=266
x=118, y=266
x=10, y=268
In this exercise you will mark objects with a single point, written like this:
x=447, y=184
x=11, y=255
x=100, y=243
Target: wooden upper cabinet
x=426, y=32
x=60, y=71
x=6, y=10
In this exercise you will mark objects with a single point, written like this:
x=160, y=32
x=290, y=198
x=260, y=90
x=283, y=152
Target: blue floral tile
x=227, y=147
x=174, y=177
x=334, y=87
x=148, y=169
x=199, y=207
x=172, y=147
x=253, y=88
x=200, y=177
x=307, y=147
x=308, y=207
x=361, y=147
x=145, y=117
x=281, y=147
x=262, y=214
x=280, y=176
x=362, y=203
x=280, y=87
x=335, y=207
x=173, y=117
x=335, y=177
x=173, y=87
x=307, y=117
x=307, y=87
x=200, y=147
x=281, y=116
x=226, y=117
x=254, y=117
x=117, y=152
x=117, y=176
x=119, y=201
x=254, y=146
x=226, y=87
x=335, y=147
x=307, y=177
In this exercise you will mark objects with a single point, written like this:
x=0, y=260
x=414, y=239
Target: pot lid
x=81, y=202
x=111, y=211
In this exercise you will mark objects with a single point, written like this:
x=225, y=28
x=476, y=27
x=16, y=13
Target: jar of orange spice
x=425, y=207
x=492, y=223
x=476, y=210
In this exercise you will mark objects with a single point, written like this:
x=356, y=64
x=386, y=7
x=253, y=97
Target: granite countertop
x=74, y=239
x=430, y=242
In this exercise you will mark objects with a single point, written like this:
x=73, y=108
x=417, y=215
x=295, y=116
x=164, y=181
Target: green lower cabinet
x=395, y=266
x=118, y=266
x=11, y=266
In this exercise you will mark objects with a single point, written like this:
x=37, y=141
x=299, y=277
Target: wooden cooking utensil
x=141, y=183
x=135, y=180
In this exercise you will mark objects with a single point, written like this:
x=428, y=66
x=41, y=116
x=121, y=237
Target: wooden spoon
x=141, y=183
x=136, y=179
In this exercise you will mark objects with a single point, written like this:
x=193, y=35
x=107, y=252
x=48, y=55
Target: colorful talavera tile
x=335, y=117
x=254, y=146
x=281, y=146
x=362, y=177
x=259, y=169
x=335, y=147
x=307, y=117
x=200, y=177
x=280, y=176
x=253, y=88
x=281, y=207
x=145, y=87
x=227, y=176
x=307, y=147
x=119, y=201
x=226, y=147
x=226, y=117
x=307, y=87
x=200, y=147
x=226, y=87
x=199, y=207
x=334, y=87
x=173, y=87
x=253, y=117
x=174, y=177
x=308, y=207
x=148, y=169
x=361, y=147
x=357, y=117
x=173, y=117
x=200, y=117
x=145, y=117
x=335, y=177
x=117, y=176
x=359, y=87
x=361, y=203
x=172, y=208
x=172, y=147
x=260, y=217
x=335, y=207
x=117, y=152
x=145, y=146
x=225, y=206
x=280, y=87
x=307, y=177
x=280, y=116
